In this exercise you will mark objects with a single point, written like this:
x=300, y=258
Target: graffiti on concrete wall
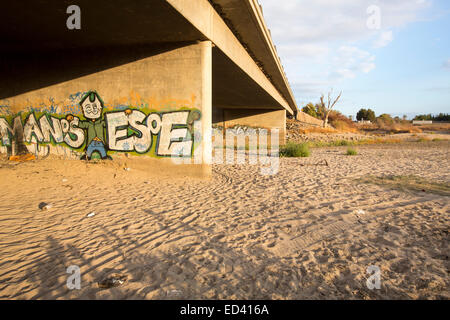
x=99, y=132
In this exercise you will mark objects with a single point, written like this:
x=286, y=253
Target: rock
x=217, y=237
x=45, y=206
x=113, y=280
x=271, y=244
x=91, y=214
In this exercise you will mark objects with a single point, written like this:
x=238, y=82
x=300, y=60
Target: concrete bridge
x=215, y=57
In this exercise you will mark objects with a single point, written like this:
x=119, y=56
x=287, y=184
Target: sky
x=392, y=56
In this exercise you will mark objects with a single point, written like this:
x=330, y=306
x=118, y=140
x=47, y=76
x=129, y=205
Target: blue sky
x=389, y=55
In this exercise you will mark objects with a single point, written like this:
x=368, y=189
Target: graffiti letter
x=143, y=142
x=77, y=132
x=74, y=21
x=46, y=128
x=6, y=130
x=32, y=127
x=154, y=123
x=118, y=139
x=174, y=139
x=65, y=126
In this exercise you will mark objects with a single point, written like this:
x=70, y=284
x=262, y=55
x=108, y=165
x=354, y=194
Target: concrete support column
x=206, y=53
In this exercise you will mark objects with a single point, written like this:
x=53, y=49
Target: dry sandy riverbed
x=239, y=235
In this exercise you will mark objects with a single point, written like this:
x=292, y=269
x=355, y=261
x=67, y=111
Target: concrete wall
x=418, y=122
x=306, y=118
x=255, y=118
x=142, y=101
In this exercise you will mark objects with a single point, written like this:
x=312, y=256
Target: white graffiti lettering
x=126, y=131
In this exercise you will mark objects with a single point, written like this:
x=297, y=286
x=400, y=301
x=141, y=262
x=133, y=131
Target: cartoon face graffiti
x=94, y=126
x=92, y=106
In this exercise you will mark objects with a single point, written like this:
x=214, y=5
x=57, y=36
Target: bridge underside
x=146, y=47
x=22, y=72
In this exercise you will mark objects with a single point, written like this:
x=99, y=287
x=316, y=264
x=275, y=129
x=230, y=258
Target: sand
x=309, y=232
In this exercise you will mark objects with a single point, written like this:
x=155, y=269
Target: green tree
x=423, y=117
x=310, y=109
x=366, y=115
x=371, y=115
x=442, y=117
x=320, y=111
x=361, y=115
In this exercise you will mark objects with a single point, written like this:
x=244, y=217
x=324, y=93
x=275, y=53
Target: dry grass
x=317, y=130
x=391, y=128
x=376, y=141
x=343, y=126
x=339, y=143
x=403, y=128
x=339, y=127
x=380, y=141
x=436, y=127
x=409, y=183
x=367, y=127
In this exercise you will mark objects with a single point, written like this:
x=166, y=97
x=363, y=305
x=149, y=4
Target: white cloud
x=320, y=41
x=384, y=39
x=300, y=21
x=308, y=50
x=350, y=61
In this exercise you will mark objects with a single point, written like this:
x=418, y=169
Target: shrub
x=351, y=152
x=295, y=150
x=340, y=143
x=341, y=122
x=385, y=119
x=390, y=126
x=343, y=126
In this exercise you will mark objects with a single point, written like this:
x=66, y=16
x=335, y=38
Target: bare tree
x=329, y=106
